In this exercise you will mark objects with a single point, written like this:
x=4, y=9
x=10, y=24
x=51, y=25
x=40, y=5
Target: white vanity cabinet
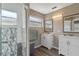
x=74, y=47
x=47, y=41
x=69, y=45
x=63, y=46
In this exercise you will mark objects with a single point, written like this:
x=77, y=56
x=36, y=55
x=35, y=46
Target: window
x=8, y=17
x=9, y=14
x=35, y=21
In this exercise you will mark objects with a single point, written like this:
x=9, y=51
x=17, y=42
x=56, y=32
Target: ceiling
x=46, y=8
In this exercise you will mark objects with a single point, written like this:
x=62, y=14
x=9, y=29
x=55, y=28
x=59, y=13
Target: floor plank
x=43, y=51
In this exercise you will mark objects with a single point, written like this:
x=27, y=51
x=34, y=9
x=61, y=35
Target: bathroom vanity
x=69, y=45
x=47, y=40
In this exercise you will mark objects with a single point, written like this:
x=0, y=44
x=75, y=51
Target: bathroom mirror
x=48, y=25
x=71, y=23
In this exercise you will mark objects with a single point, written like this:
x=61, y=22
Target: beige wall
x=58, y=21
x=36, y=14
x=72, y=9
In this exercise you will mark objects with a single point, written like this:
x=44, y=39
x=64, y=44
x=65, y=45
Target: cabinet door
x=44, y=41
x=74, y=47
x=50, y=43
x=63, y=47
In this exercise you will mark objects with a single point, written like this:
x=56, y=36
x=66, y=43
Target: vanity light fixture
x=57, y=16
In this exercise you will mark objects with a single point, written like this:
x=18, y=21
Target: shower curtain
x=8, y=41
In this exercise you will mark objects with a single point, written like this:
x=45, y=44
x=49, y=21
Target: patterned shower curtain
x=8, y=41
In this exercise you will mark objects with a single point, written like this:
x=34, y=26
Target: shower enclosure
x=8, y=33
x=12, y=29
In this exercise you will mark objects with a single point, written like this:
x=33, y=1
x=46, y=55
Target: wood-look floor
x=42, y=51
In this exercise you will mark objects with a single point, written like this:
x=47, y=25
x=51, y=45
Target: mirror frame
x=45, y=26
x=71, y=24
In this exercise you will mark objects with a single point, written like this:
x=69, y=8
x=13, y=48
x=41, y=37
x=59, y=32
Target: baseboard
x=55, y=47
x=41, y=45
x=37, y=46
